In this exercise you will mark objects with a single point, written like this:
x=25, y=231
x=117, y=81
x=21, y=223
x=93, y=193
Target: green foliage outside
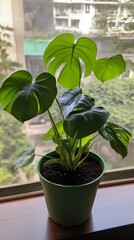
x=5, y=176
x=6, y=64
x=117, y=97
x=12, y=137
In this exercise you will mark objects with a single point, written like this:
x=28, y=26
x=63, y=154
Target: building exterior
x=90, y=16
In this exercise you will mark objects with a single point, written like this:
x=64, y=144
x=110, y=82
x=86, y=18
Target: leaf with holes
x=65, y=53
x=118, y=137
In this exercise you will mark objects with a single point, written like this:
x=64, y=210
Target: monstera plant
x=82, y=123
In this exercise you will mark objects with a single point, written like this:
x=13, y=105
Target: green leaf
x=25, y=98
x=65, y=53
x=73, y=100
x=86, y=139
x=50, y=133
x=84, y=103
x=118, y=137
x=109, y=68
x=68, y=99
x=53, y=161
x=80, y=124
x=25, y=158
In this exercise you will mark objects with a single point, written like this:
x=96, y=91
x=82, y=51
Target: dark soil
x=89, y=170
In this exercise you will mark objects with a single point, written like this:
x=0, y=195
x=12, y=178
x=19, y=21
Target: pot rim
x=102, y=162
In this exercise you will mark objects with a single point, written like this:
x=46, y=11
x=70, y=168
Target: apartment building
x=90, y=16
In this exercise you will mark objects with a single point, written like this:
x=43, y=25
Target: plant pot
x=70, y=205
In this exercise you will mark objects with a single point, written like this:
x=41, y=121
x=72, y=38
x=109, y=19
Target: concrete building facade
x=90, y=16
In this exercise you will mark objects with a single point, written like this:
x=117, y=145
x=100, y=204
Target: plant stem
x=80, y=143
x=60, y=109
x=56, y=133
x=95, y=137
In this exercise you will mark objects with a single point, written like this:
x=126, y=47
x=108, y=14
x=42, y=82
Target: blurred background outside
x=26, y=28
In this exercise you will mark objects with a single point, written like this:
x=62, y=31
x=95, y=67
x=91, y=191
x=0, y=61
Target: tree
x=6, y=64
x=125, y=43
x=12, y=136
x=117, y=97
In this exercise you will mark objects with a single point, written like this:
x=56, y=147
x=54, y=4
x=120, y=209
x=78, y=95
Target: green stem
x=80, y=162
x=60, y=109
x=56, y=133
x=80, y=143
x=97, y=135
x=63, y=154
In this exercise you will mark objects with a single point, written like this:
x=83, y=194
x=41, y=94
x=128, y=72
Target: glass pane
x=26, y=28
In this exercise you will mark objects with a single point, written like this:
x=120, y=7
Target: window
x=87, y=8
x=29, y=29
x=62, y=23
x=61, y=9
x=76, y=8
x=75, y=23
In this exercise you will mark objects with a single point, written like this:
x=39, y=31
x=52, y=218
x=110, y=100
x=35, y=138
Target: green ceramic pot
x=70, y=205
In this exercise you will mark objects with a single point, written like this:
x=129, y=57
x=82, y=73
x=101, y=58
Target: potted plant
x=71, y=173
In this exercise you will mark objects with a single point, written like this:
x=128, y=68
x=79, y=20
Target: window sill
x=27, y=218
